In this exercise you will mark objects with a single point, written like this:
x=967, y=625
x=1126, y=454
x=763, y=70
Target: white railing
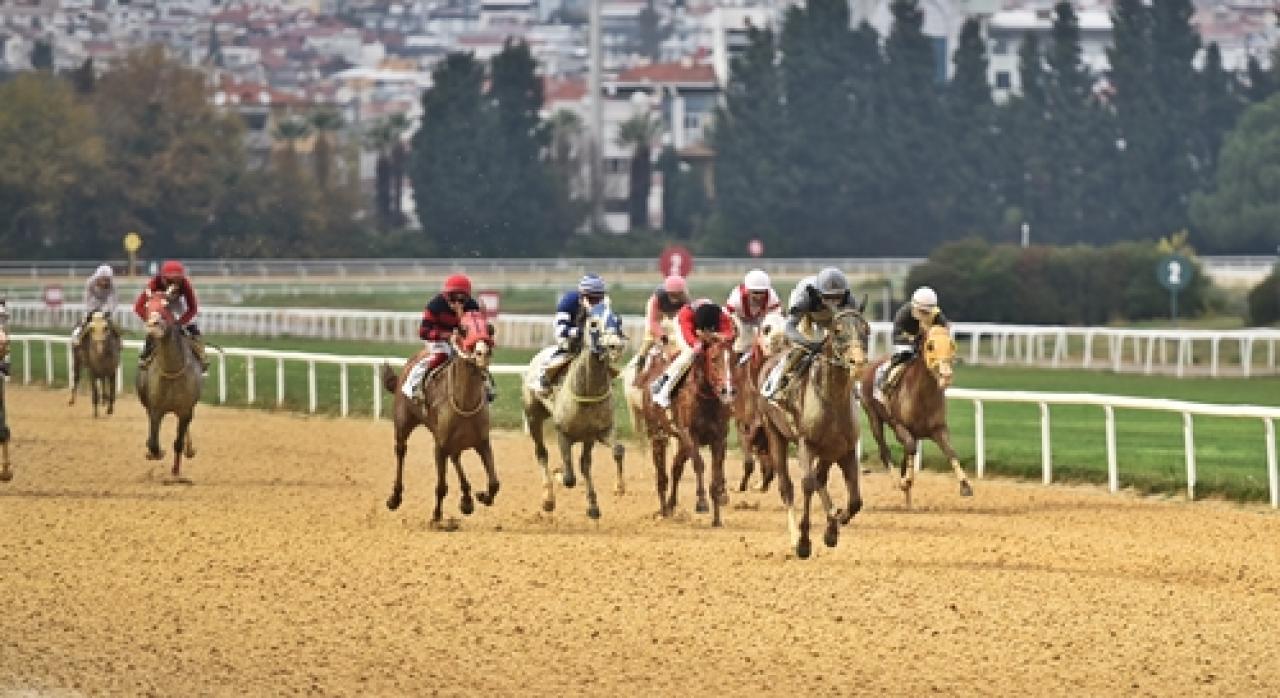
x=1173, y=351
x=1109, y=403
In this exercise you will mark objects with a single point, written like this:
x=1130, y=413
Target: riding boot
x=197, y=345
x=889, y=376
x=490, y=387
x=144, y=356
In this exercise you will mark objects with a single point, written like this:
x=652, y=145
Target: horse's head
x=159, y=316
x=718, y=369
x=603, y=333
x=940, y=355
x=772, y=338
x=98, y=326
x=848, y=337
x=475, y=339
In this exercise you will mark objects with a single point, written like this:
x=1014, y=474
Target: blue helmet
x=592, y=285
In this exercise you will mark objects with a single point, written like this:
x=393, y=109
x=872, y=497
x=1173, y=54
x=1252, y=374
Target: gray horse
x=580, y=408
x=99, y=351
x=170, y=384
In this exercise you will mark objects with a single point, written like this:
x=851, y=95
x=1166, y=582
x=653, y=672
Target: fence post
x=377, y=393
x=919, y=459
x=342, y=379
x=48, y=363
x=26, y=362
x=71, y=363
x=279, y=382
x=222, y=378
x=311, y=386
x=250, y=380
x=1113, y=471
x=1189, y=441
x=120, y=377
x=1046, y=454
x=979, y=439
x=1213, y=361
x=1273, y=472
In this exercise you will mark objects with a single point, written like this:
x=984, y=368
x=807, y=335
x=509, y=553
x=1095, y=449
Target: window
x=692, y=122
x=1003, y=81
x=999, y=47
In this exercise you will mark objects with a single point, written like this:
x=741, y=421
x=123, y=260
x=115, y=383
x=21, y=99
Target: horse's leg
x=93, y=393
x=677, y=470
x=658, y=449
x=942, y=437
x=849, y=466
x=485, y=449
x=404, y=426
x=184, y=423
x=75, y=375
x=153, y=435
x=875, y=425
x=442, y=485
x=619, y=451
x=6, y=472
x=465, y=504
x=786, y=488
x=540, y=452
x=748, y=456
x=906, y=471
x=719, y=493
x=808, y=485
x=821, y=478
x=190, y=450
x=593, y=505
x=111, y=394
x=699, y=478
x=567, y=476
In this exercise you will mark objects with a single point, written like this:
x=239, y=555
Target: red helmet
x=458, y=283
x=173, y=268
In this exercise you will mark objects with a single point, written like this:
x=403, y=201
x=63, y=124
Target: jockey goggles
x=592, y=299
x=456, y=297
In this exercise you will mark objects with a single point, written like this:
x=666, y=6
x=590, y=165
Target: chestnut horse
x=917, y=409
x=99, y=351
x=746, y=415
x=699, y=416
x=6, y=473
x=818, y=413
x=170, y=383
x=456, y=414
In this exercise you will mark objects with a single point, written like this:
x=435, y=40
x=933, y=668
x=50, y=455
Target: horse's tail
x=389, y=378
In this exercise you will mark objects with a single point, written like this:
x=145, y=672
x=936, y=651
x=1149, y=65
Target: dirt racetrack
x=280, y=572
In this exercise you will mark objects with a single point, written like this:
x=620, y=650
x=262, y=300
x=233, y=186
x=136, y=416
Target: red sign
x=755, y=248
x=489, y=300
x=675, y=260
x=53, y=296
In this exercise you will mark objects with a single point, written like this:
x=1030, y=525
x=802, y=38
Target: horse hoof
x=803, y=549
x=593, y=513
x=548, y=505
x=484, y=498
x=717, y=524
x=701, y=507
x=176, y=480
x=467, y=506
x=156, y=455
x=965, y=489
x=832, y=536
x=723, y=499
x=393, y=502
x=569, y=481
x=619, y=491
x=6, y=475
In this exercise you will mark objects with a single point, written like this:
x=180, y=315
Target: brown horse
x=99, y=350
x=456, y=414
x=6, y=472
x=700, y=410
x=917, y=409
x=746, y=415
x=170, y=383
x=818, y=413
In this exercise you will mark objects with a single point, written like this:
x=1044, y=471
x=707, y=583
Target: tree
x=1242, y=212
x=42, y=55
x=976, y=203
x=651, y=32
x=289, y=131
x=1219, y=105
x=84, y=79
x=638, y=133
x=326, y=123
x=51, y=165
x=1261, y=83
x=673, y=219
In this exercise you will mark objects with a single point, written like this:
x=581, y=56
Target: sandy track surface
x=280, y=571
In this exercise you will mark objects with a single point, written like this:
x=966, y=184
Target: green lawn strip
x=1230, y=452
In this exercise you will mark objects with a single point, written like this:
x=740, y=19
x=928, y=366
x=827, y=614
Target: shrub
x=1264, y=300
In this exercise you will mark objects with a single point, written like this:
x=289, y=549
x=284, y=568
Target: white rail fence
x=1166, y=351
x=1108, y=403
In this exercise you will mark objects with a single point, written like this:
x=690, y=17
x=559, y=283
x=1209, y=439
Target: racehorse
x=746, y=374
x=170, y=383
x=917, y=409
x=700, y=410
x=580, y=407
x=456, y=413
x=820, y=416
x=99, y=350
x=6, y=472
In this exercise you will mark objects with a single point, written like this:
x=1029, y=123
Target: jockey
x=699, y=322
x=571, y=313
x=910, y=325
x=173, y=282
x=440, y=319
x=659, y=316
x=99, y=295
x=748, y=303
x=813, y=304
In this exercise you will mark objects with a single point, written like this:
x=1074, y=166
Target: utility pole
x=597, y=122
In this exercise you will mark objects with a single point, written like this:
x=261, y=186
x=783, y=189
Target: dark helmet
x=706, y=317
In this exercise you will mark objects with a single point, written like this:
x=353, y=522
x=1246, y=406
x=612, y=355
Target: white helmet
x=924, y=298
x=757, y=280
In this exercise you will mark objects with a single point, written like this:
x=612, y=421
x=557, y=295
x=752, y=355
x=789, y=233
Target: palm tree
x=378, y=139
x=638, y=133
x=326, y=122
x=397, y=124
x=291, y=129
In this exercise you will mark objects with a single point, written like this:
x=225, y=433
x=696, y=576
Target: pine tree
x=1262, y=83
x=1220, y=104
x=974, y=190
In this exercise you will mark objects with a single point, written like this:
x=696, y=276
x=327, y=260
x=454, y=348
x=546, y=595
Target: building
x=1007, y=29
